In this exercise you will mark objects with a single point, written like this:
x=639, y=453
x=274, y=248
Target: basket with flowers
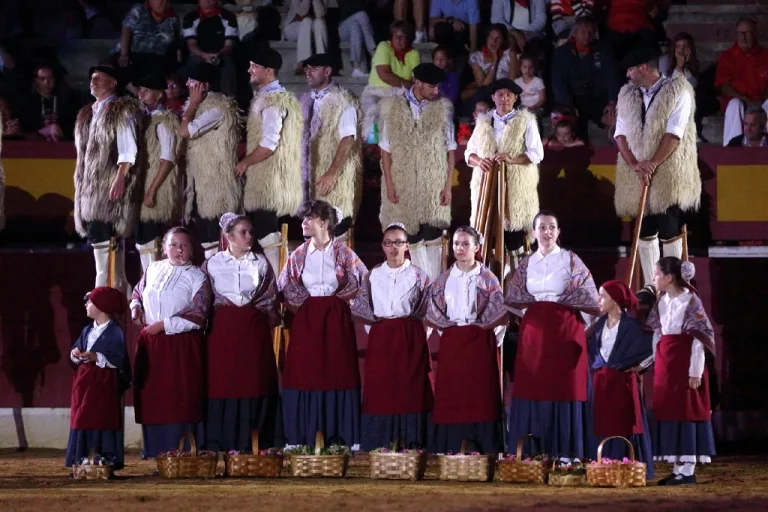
x=466, y=466
x=393, y=464
x=95, y=467
x=331, y=461
x=605, y=472
x=517, y=469
x=258, y=463
x=568, y=474
x=187, y=464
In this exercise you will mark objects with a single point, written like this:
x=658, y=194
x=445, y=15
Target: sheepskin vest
x=419, y=163
x=2, y=180
x=677, y=180
x=168, y=195
x=211, y=160
x=319, y=142
x=274, y=184
x=370, y=99
x=522, y=180
x=96, y=167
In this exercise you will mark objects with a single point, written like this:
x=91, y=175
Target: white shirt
x=237, y=279
x=671, y=316
x=165, y=137
x=96, y=332
x=608, y=339
x=126, y=134
x=449, y=132
x=169, y=289
x=395, y=292
x=319, y=275
x=502, y=67
x=205, y=122
x=534, y=149
x=548, y=276
x=347, y=120
x=678, y=119
x=271, y=117
x=461, y=299
x=531, y=91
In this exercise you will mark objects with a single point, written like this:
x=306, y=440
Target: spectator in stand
x=211, y=34
x=742, y=76
x=755, y=135
x=454, y=23
x=149, y=39
x=564, y=15
x=628, y=19
x=441, y=57
x=534, y=93
x=175, y=94
x=306, y=20
x=564, y=137
x=11, y=125
x=681, y=59
x=493, y=62
x=527, y=16
x=49, y=109
x=584, y=76
x=10, y=76
x=355, y=28
x=483, y=106
x=419, y=13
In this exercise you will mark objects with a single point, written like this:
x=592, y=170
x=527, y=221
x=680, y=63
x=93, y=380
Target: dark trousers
x=514, y=240
x=264, y=222
x=148, y=231
x=426, y=232
x=98, y=231
x=666, y=225
x=590, y=109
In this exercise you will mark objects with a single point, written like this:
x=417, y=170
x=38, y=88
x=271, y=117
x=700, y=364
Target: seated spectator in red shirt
x=742, y=77
x=50, y=108
x=754, y=130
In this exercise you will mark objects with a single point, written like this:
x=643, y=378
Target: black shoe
x=664, y=481
x=682, y=480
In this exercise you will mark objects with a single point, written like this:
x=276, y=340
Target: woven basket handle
x=395, y=444
x=255, y=441
x=519, y=454
x=600, y=448
x=92, y=457
x=319, y=442
x=464, y=445
x=187, y=436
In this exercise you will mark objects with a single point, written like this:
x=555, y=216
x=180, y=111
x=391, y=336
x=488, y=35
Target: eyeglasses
x=396, y=243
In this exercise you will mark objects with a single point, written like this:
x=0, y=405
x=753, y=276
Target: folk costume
x=243, y=391
x=397, y=393
x=468, y=307
x=106, y=135
x=96, y=418
x=551, y=377
x=320, y=380
x=644, y=116
x=170, y=370
x=212, y=185
x=419, y=137
x=515, y=133
x=160, y=143
x=617, y=402
x=682, y=427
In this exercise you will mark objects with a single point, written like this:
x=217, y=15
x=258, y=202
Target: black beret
x=268, y=58
x=429, y=74
x=202, y=72
x=506, y=83
x=155, y=82
x=107, y=70
x=640, y=55
x=319, y=60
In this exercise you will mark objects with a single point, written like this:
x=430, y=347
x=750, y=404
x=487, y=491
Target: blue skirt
x=672, y=440
x=380, y=430
x=334, y=413
x=230, y=421
x=563, y=428
x=486, y=438
x=108, y=443
x=163, y=438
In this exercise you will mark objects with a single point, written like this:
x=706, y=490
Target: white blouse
x=319, y=275
x=534, y=149
x=169, y=289
x=101, y=360
x=671, y=316
x=548, y=276
x=237, y=279
x=461, y=299
x=395, y=292
x=608, y=339
x=502, y=67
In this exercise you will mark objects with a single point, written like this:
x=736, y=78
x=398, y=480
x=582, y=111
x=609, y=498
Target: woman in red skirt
x=682, y=429
x=552, y=290
x=321, y=381
x=171, y=301
x=243, y=393
x=397, y=394
x=467, y=305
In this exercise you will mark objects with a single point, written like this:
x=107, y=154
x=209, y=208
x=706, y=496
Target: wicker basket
x=319, y=465
x=567, y=479
x=91, y=471
x=398, y=466
x=253, y=465
x=616, y=475
x=187, y=467
x=466, y=468
x=519, y=471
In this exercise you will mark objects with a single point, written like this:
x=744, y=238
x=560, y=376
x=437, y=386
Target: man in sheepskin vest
x=211, y=123
x=508, y=136
x=656, y=136
x=161, y=181
x=273, y=164
x=107, y=185
x=331, y=158
x=417, y=159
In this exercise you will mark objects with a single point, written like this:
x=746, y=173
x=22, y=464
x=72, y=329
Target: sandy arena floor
x=36, y=480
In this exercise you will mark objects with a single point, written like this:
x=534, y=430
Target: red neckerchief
x=522, y=3
x=567, y=7
x=164, y=16
x=208, y=14
x=400, y=55
x=580, y=48
x=489, y=54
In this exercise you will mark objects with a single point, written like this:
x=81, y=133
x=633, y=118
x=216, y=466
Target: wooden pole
x=636, y=235
x=488, y=220
x=282, y=260
x=479, y=202
x=444, y=251
x=350, y=238
x=111, y=262
x=501, y=209
x=684, y=234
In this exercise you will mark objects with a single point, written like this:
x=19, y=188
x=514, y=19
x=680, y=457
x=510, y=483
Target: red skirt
x=397, y=368
x=322, y=353
x=617, y=409
x=241, y=359
x=95, y=399
x=673, y=400
x=168, y=381
x=551, y=361
x=467, y=384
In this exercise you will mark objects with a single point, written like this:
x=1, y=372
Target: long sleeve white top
x=271, y=117
x=548, y=277
x=461, y=299
x=608, y=340
x=205, y=122
x=347, y=120
x=165, y=137
x=237, y=279
x=395, y=292
x=96, y=332
x=319, y=275
x=678, y=119
x=534, y=149
x=127, y=147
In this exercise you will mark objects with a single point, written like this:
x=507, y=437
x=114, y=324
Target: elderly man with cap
x=331, y=159
x=106, y=186
x=161, y=187
x=417, y=159
x=508, y=136
x=656, y=136
x=211, y=123
x=273, y=164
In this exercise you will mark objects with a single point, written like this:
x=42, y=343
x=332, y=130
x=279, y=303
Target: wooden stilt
x=636, y=237
x=684, y=233
x=350, y=238
x=280, y=332
x=444, y=252
x=111, y=262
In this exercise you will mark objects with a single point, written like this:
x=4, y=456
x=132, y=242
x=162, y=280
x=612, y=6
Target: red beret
x=108, y=300
x=622, y=295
